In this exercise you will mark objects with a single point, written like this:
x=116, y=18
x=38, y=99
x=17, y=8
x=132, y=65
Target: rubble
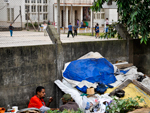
x=123, y=75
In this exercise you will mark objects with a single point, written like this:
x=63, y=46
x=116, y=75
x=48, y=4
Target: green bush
x=35, y=24
x=29, y=24
x=124, y=105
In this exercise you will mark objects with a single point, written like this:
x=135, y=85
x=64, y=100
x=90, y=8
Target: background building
x=70, y=11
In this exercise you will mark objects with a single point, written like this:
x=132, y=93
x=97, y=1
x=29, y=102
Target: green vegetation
x=89, y=34
x=124, y=105
x=116, y=106
x=134, y=15
x=30, y=25
x=65, y=111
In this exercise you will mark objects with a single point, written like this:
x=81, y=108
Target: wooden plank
x=138, y=84
x=135, y=82
x=122, y=66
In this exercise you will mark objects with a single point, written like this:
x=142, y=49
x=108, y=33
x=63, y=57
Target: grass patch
x=89, y=34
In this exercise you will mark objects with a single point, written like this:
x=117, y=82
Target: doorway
x=62, y=18
x=69, y=16
x=76, y=16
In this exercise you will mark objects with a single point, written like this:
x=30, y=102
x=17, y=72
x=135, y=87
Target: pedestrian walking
x=11, y=29
x=49, y=22
x=44, y=27
x=97, y=31
x=106, y=27
x=70, y=30
x=75, y=30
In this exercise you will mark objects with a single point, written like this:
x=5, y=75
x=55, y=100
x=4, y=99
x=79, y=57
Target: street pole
x=38, y=18
x=64, y=16
x=27, y=19
x=58, y=17
x=71, y=15
x=92, y=20
x=21, y=17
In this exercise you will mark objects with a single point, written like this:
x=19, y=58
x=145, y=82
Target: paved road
x=28, y=38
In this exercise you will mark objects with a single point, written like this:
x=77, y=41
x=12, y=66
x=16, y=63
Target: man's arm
x=50, y=100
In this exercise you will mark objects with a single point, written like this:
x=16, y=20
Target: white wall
x=50, y=10
x=109, y=13
x=113, y=15
x=3, y=13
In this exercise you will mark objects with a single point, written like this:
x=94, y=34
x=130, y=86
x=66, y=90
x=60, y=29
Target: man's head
x=69, y=23
x=40, y=92
x=66, y=98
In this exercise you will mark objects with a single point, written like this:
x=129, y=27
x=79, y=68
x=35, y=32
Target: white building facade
x=70, y=11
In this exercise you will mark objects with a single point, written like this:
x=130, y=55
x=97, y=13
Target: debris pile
x=92, y=80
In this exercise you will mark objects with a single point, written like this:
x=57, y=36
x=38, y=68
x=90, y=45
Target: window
x=12, y=14
x=102, y=15
x=27, y=8
x=40, y=8
x=33, y=17
x=44, y=1
x=44, y=16
x=95, y=15
x=98, y=15
x=44, y=8
x=33, y=7
x=26, y=16
x=38, y=1
x=27, y=1
x=102, y=10
x=32, y=1
x=8, y=14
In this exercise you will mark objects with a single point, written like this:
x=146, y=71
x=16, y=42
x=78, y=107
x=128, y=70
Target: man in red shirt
x=37, y=100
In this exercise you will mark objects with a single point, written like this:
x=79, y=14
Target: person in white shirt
x=44, y=28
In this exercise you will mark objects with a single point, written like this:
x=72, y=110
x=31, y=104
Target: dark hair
x=39, y=89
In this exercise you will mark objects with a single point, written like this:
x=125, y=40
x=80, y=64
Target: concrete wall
x=141, y=56
x=22, y=69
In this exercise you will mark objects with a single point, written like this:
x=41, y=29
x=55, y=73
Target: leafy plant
x=29, y=24
x=124, y=105
x=133, y=14
x=35, y=24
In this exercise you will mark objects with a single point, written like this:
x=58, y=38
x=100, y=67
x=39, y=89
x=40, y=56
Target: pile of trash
x=91, y=81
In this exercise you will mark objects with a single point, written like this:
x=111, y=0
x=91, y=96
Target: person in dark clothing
x=68, y=103
x=11, y=29
x=75, y=30
x=70, y=30
x=95, y=29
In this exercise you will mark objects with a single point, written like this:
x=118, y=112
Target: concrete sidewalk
x=30, y=38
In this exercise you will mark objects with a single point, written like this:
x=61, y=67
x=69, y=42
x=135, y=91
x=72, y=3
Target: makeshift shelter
x=92, y=69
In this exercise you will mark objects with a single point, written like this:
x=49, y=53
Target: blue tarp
x=92, y=70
